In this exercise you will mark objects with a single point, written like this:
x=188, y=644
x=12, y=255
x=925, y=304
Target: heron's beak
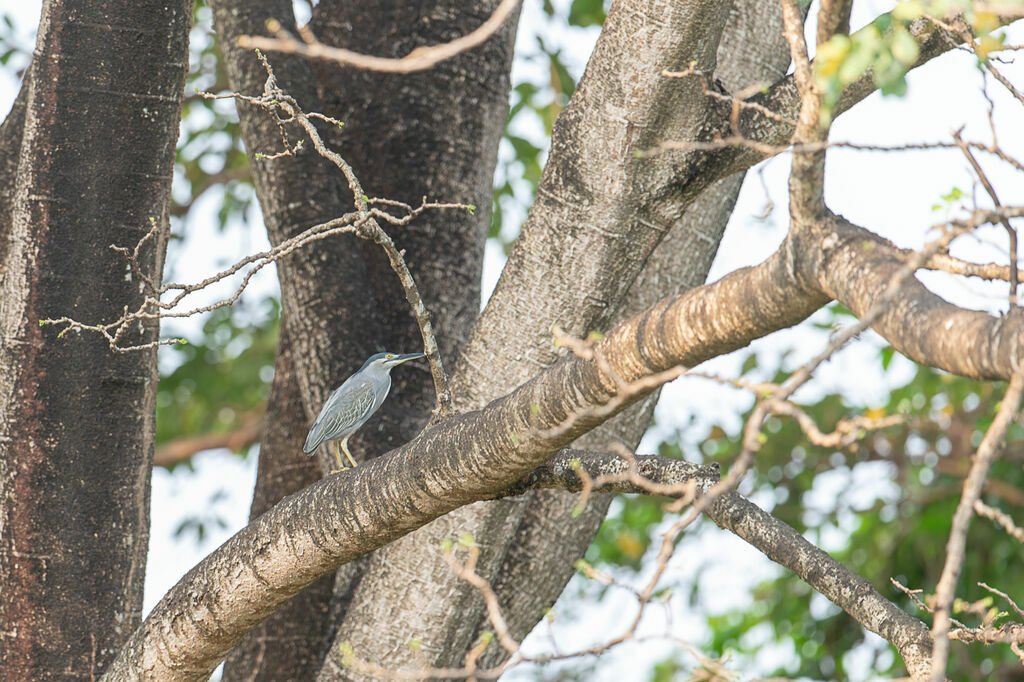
x=406, y=357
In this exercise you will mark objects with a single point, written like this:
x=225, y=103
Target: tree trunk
x=100, y=108
x=343, y=302
x=549, y=540
x=588, y=234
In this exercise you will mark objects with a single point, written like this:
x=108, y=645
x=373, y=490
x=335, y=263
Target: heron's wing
x=344, y=412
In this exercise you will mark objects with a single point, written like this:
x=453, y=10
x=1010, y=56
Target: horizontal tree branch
x=731, y=511
x=856, y=266
x=481, y=454
x=562, y=472
x=423, y=57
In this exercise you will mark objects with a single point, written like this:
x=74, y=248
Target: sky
x=892, y=194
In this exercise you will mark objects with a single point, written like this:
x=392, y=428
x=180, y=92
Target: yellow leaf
x=629, y=544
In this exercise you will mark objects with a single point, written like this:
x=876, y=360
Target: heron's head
x=387, y=361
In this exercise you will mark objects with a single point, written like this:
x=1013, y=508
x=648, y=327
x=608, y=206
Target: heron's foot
x=338, y=471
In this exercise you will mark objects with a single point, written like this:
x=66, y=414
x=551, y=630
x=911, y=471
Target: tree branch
x=784, y=98
x=569, y=469
x=180, y=449
x=423, y=57
x=945, y=590
x=855, y=265
x=469, y=457
x=847, y=590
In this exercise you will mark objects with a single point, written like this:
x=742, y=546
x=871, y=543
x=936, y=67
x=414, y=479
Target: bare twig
x=774, y=149
x=1011, y=232
x=467, y=571
x=363, y=222
x=367, y=226
x=1005, y=596
x=1003, y=519
x=421, y=58
x=987, y=451
x=737, y=101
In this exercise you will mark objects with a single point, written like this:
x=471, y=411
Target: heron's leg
x=344, y=446
x=332, y=446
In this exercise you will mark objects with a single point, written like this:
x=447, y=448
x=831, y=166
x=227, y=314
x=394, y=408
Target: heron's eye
x=390, y=356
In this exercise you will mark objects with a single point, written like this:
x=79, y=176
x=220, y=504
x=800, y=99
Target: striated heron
x=353, y=403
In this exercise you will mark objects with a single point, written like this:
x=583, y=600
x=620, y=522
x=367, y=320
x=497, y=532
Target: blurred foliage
x=897, y=530
x=221, y=377
x=210, y=153
x=14, y=49
x=886, y=49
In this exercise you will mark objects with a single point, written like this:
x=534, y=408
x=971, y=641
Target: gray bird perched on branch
x=353, y=403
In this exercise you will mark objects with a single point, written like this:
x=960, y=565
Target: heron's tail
x=313, y=440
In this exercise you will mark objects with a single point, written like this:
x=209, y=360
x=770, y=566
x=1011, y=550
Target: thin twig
x=1003, y=519
x=1011, y=232
x=363, y=222
x=987, y=451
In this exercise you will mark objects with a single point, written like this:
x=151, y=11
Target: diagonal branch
x=944, y=591
x=466, y=458
x=847, y=590
x=855, y=265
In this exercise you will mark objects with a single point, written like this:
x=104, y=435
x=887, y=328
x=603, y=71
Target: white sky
x=891, y=194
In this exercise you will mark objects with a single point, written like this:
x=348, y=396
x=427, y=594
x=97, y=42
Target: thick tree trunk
x=291, y=643
x=589, y=232
x=436, y=135
x=100, y=108
x=294, y=193
x=549, y=540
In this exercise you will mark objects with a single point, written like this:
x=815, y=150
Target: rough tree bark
x=583, y=206
x=294, y=193
x=76, y=420
x=548, y=540
x=690, y=189
x=585, y=258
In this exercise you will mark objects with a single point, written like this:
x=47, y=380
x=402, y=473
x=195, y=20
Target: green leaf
x=904, y=47
x=586, y=13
